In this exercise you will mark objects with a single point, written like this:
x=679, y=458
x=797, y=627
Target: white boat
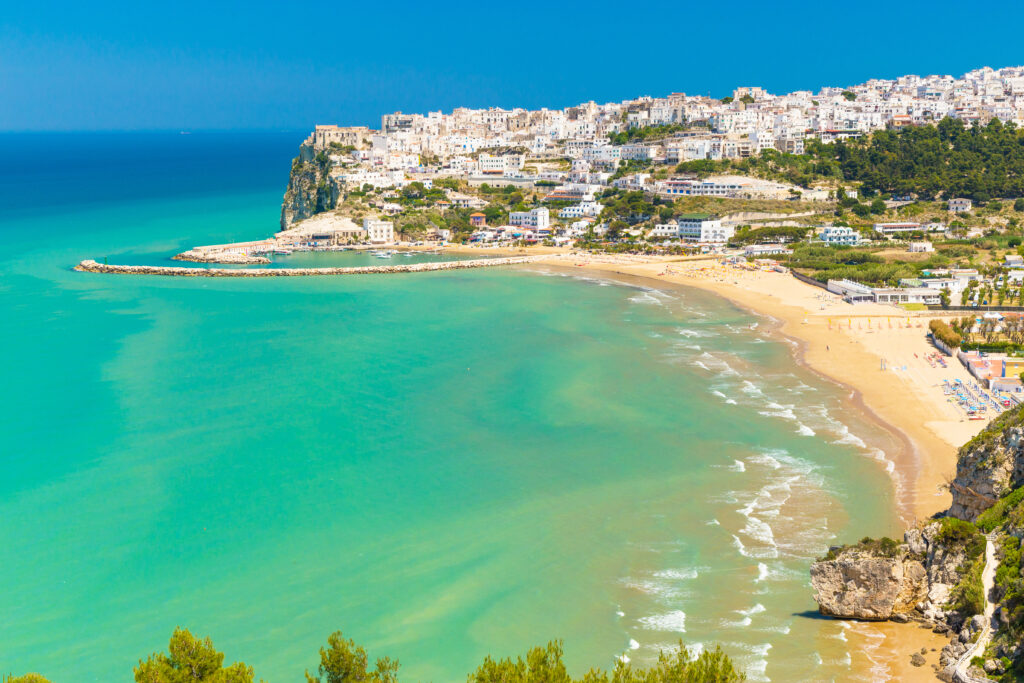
x=283, y=252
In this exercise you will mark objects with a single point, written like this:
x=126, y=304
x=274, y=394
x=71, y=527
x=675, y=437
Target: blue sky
x=277, y=65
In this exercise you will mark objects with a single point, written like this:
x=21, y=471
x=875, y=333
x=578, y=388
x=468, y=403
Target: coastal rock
x=917, y=659
x=915, y=541
x=988, y=467
x=943, y=565
x=862, y=584
x=310, y=189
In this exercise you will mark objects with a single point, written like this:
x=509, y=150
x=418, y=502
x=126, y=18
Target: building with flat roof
x=840, y=235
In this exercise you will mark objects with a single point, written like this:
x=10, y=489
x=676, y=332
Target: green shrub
x=944, y=333
x=996, y=515
x=968, y=596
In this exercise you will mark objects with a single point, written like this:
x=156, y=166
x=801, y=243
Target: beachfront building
x=840, y=235
x=379, y=232
x=477, y=220
x=959, y=205
x=756, y=251
x=537, y=219
x=907, y=295
x=852, y=292
x=920, y=247
x=695, y=227
x=857, y=293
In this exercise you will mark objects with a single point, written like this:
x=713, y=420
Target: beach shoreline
x=927, y=455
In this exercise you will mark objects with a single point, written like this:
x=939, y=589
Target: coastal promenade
x=91, y=266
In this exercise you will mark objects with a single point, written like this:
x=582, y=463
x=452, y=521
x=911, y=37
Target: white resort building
x=695, y=227
x=379, y=232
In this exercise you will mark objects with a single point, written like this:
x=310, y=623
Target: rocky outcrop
x=880, y=580
x=310, y=189
x=863, y=584
x=989, y=467
x=90, y=266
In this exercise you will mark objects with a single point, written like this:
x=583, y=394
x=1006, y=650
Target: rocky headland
x=959, y=573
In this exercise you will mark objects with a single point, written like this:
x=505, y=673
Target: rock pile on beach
x=91, y=266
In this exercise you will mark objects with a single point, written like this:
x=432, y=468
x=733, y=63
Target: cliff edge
x=959, y=573
x=311, y=190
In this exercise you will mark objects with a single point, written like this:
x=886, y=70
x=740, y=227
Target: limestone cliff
x=989, y=466
x=936, y=575
x=867, y=583
x=310, y=188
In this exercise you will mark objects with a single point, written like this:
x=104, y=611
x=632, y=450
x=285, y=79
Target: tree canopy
x=947, y=160
x=190, y=660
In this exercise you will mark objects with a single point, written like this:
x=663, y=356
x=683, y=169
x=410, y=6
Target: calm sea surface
x=440, y=465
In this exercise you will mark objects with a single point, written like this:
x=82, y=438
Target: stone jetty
x=233, y=258
x=91, y=266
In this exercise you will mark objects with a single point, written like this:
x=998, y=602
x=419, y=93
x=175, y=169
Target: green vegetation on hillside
x=644, y=134
x=824, y=263
x=947, y=160
x=196, y=660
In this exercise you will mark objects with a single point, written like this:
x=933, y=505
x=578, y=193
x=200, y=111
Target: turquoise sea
x=440, y=465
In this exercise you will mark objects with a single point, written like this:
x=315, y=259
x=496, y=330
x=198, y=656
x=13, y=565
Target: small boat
x=283, y=252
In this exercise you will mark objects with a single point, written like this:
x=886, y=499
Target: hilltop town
x=679, y=169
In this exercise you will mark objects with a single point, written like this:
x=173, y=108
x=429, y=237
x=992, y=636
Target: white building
x=580, y=210
x=504, y=164
x=537, y=219
x=889, y=229
x=840, y=235
x=379, y=232
x=959, y=205
x=920, y=247
x=703, y=188
x=696, y=227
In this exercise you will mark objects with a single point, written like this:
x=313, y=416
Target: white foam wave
x=848, y=438
x=674, y=621
x=751, y=388
x=633, y=645
x=762, y=572
x=881, y=457
x=692, y=333
x=804, y=430
x=677, y=574
x=738, y=466
x=646, y=298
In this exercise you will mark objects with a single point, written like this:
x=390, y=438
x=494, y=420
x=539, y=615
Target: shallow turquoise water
x=441, y=465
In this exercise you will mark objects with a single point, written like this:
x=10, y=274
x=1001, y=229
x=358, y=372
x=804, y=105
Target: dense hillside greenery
x=195, y=660
x=944, y=160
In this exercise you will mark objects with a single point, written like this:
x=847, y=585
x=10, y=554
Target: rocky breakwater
x=959, y=574
x=90, y=266
x=197, y=256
